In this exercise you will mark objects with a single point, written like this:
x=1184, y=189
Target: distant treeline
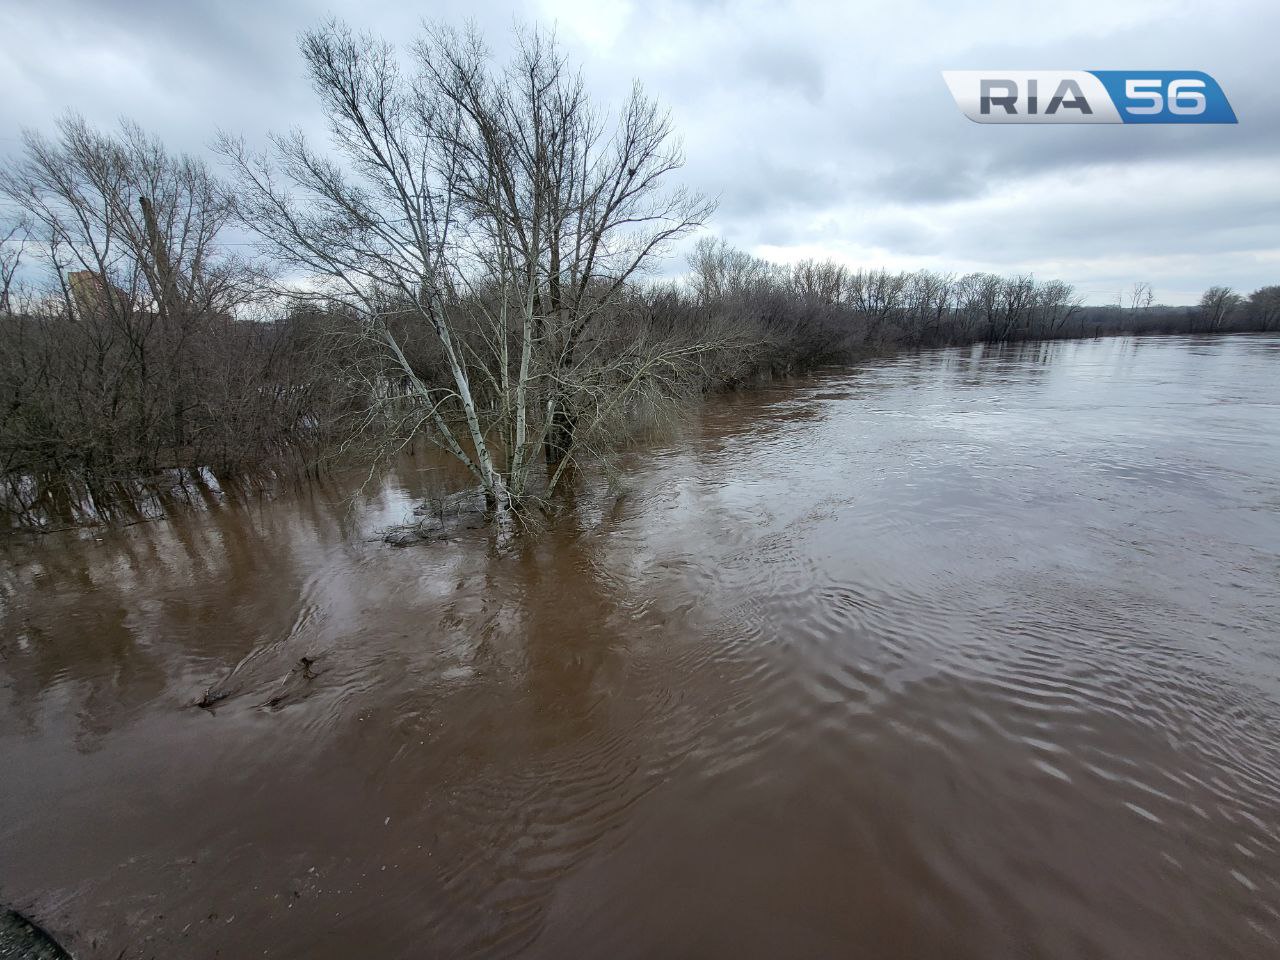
x=822, y=311
x=471, y=274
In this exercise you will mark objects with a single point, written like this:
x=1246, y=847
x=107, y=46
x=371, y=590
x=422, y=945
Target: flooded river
x=972, y=654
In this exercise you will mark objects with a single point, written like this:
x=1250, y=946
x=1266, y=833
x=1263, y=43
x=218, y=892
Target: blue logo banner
x=1166, y=96
x=1089, y=96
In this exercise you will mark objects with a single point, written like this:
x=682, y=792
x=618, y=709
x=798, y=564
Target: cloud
x=788, y=68
x=824, y=128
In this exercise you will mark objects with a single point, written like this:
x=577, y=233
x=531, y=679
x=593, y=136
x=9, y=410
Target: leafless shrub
x=136, y=353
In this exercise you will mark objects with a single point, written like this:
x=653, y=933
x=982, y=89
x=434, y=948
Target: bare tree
x=721, y=272
x=1140, y=296
x=130, y=360
x=1217, y=306
x=1264, y=308
x=10, y=260
x=929, y=300
x=1056, y=304
x=501, y=213
x=876, y=296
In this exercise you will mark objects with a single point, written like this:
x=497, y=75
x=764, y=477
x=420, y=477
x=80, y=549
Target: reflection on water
x=969, y=654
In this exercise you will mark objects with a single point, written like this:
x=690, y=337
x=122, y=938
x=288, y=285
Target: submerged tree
x=1217, y=306
x=1264, y=308
x=495, y=213
x=125, y=356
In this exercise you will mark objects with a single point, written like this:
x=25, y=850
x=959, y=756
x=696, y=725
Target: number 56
x=1184, y=98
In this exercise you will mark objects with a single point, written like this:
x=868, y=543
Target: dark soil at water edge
x=21, y=939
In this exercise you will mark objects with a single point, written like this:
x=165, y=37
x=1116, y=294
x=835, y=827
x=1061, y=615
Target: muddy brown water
x=973, y=653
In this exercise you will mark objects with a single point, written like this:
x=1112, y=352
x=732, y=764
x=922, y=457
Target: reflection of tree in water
x=519, y=740
x=114, y=623
x=570, y=630
x=88, y=665
x=501, y=701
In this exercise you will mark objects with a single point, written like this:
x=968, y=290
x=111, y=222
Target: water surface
x=971, y=653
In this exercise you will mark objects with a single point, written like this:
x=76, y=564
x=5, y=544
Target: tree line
x=467, y=261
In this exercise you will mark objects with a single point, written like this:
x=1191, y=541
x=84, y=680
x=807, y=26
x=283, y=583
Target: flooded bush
x=501, y=308
x=139, y=353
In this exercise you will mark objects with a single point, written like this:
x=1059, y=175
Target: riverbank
x=147, y=500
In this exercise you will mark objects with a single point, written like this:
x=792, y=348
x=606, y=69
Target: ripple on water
x=965, y=653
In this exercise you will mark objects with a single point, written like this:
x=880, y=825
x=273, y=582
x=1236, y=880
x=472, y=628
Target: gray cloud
x=790, y=69
x=825, y=129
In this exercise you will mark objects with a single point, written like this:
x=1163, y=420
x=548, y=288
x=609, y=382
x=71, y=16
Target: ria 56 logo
x=1089, y=96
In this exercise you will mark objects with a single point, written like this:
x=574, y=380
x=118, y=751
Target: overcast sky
x=825, y=129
